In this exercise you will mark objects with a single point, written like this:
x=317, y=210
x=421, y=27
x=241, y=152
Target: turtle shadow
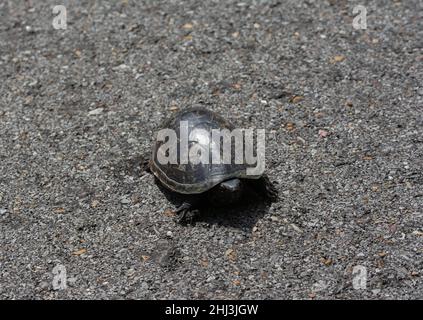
x=243, y=215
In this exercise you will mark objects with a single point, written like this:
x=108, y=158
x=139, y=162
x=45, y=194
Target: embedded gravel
x=342, y=109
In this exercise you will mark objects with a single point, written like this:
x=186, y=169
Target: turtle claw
x=186, y=214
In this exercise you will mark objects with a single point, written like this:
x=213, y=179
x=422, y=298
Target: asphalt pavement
x=342, y=108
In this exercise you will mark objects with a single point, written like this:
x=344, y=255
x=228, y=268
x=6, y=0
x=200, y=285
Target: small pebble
x=323, y=133
x=95, y=112
x=125, y=201
x=376, y=291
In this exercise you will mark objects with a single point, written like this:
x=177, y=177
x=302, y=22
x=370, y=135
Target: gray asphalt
x=343, y=113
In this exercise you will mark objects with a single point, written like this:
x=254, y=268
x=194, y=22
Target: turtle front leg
x=186, y=213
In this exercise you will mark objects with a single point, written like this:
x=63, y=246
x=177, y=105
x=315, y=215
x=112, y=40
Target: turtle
x=197, y=184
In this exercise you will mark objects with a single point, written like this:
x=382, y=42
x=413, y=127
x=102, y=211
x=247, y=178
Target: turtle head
x=226, y=192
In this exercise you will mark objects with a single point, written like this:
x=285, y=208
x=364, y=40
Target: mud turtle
x=202, y=182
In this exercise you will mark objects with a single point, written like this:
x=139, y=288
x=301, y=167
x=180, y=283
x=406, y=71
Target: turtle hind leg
x=145, y=164
x=186, y=213
x=265, y=188
x=271, y=192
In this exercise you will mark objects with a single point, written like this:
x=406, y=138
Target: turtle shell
x=188, y=177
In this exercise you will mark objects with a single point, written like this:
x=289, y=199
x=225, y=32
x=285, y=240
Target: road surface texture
x=342, y=108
